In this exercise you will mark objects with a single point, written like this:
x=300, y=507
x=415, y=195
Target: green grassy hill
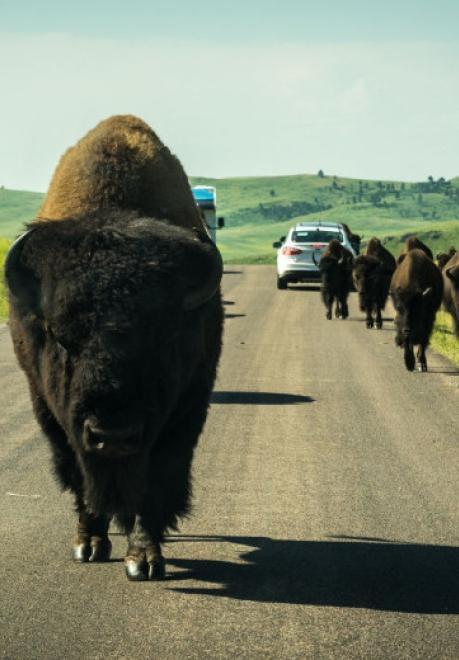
x=258, y=210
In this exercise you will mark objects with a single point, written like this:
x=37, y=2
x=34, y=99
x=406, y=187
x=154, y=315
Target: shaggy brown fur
x=121, y=164
x=416, y=289
x=413, y=243
x=336, y=271
x=451, y=290
x=444, y=257
x=376, y=249
x=116, y=319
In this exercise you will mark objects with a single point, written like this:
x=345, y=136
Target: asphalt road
x=325, y=510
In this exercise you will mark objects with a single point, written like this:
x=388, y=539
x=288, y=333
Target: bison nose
x=116, y=441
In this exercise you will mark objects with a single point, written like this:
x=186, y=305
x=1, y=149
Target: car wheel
x=281, y=283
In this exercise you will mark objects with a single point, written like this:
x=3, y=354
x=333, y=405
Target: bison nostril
x=114, y=441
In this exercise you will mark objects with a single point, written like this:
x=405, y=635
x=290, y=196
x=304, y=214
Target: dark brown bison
x=354, y=239
x=371, y=275
x=451, y=290
x=416, y=289
x=116, y=319
x=413, y=243
x=443, y=257
x=335, y=269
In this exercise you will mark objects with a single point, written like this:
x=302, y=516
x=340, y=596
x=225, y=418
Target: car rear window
x=315, y=236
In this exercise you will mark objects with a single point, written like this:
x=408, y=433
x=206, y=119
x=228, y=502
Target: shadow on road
x=232, y=272
x=312, y=287
x=259, y=398
x=389, y=576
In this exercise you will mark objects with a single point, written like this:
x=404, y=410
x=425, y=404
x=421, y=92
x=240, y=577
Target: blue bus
x=206, y=198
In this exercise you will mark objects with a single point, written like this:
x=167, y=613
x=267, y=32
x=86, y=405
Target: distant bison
x=413, y=243
x=116, y=319
x=444, y=257
x=416, y=289
x=335, y=268
x=354, y=239
x=451, y=290
x=371, y=275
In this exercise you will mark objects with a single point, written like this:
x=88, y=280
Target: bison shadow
x=259, y=398
x=232, y=272
x=357, y=573
x=234, y=316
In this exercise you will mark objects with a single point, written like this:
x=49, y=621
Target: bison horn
x=427, y=291
x=200, y=295
x=15, y=274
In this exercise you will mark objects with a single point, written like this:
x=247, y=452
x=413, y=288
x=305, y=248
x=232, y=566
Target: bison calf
x=416, y=289
x=335, y=268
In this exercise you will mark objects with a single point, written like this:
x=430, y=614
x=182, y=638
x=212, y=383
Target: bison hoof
x=328, y=316
x=157, y=569
x=369, y=324
x=96, y=550
x=422, y=368
x=379, y=325
x=100, y=550
x=141, y=570
x=137, y=571
x=81, y=552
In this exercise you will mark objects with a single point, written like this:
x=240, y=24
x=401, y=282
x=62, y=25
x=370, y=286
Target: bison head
x=108, y=318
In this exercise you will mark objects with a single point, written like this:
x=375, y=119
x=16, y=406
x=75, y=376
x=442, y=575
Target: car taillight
x=319, y=246
x=289, y=251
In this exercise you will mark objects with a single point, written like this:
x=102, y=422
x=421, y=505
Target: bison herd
x=116, y=319
x=415, y=283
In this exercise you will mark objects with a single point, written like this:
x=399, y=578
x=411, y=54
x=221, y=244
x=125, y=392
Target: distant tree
x=420, y=199
x=320, y=174
x=430, y=179
x=402, y=186
x=397, y=194
x=272, y=192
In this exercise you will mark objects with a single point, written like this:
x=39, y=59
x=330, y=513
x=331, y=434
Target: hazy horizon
x=248, y=90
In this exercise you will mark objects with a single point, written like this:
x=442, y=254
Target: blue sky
x=360, y=89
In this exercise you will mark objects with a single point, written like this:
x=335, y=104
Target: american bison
x=335, y=268
x=416, y=289
x=371, y=275
x=443, y=257
x=451, y=290
x=413, y=243
x=116, y=319
x=354, y=239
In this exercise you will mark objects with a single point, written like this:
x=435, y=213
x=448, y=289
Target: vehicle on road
x=206, y=199
x=299, y=254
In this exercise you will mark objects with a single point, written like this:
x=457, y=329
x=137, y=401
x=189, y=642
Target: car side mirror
x=221, y=223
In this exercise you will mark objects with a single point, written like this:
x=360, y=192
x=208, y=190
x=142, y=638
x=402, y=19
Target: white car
x=299, y=252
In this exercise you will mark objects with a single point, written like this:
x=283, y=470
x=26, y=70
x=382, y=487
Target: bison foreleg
x=92, y=542
x=421, y=354
x=369, y=313
x=409, y=355
x=379, y=322
x=144, y=559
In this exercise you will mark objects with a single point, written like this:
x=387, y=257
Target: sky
x=360, y=89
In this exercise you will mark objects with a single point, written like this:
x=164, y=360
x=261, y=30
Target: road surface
x=325, y=507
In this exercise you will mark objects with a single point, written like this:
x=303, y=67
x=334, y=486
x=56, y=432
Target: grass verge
x=443, y=339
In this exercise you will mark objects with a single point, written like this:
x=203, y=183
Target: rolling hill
x=258, y=210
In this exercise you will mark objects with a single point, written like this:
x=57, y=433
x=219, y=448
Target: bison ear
x=23, y=285
x=207, y=271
